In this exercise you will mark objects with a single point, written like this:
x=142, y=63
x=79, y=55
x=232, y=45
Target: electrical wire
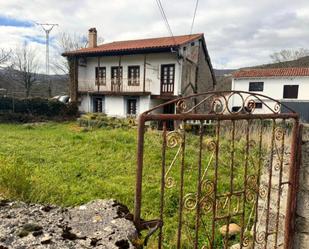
x=194, y=15
x=165, y=19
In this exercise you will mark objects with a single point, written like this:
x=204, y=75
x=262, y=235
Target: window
x=116, y=75
x=131, y=106
x=100, y=76
x=133, y=75
x=258, y=105
x=116, y=79
x=290, y=91
x=82, y=62
x=256, y=86
x=167, y=78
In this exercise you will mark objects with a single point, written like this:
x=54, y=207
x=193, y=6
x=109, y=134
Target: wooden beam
x=144, y=76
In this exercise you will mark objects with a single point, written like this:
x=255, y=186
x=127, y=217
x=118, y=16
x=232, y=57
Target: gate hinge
x=152, y=226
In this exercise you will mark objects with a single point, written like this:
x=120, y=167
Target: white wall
x=85, y=103
x=116, y=105
x=86, y=75
x=273, y=87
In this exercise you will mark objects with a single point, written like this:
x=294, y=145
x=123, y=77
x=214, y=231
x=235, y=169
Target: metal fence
x=234, y=184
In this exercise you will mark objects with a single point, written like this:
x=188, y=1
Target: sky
x=238, y=33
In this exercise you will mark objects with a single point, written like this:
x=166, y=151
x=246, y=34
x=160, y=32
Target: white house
x=288, y=85
x=128, y=77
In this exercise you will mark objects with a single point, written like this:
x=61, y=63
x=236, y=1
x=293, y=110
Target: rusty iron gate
x=225, y=177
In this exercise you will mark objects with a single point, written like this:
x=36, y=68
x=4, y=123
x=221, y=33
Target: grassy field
x=66, y=165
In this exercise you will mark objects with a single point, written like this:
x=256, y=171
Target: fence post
x=139, y=171
x=293, y=185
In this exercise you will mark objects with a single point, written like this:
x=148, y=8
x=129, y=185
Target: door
x=98, y=104
x=131, y=107
x=167, y=79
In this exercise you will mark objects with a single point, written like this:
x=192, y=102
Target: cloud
x=238, y=33
x=8, y=21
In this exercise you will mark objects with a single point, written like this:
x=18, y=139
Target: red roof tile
x=271, y=72
x=152, y=43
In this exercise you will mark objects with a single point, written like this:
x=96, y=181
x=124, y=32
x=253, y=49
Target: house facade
x=125, y=78
x=288, y=85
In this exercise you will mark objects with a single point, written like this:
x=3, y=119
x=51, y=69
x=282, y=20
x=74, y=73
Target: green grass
x=65, y=165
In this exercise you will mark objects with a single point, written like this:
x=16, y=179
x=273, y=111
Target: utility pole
x=47, y=27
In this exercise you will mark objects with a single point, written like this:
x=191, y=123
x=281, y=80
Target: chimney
x=92, y=36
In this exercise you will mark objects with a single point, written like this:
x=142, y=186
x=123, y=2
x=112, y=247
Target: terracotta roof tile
x=271, y=72
x=152, y=43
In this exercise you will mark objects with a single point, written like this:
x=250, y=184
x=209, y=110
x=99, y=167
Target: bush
x=23, y=110
x=99, y=120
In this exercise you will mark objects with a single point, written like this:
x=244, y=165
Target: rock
x=237, y=246
x=233, y=229
x=46, y=239
x=103, y=224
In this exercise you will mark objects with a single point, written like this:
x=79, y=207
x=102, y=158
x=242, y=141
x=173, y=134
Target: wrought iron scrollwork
x=222, y=102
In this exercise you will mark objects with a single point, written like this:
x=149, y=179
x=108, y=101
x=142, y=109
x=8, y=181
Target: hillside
x=302, y=62
x=59, y=85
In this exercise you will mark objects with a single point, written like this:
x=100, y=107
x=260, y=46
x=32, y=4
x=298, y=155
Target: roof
x=137, y=45
x=271, y=72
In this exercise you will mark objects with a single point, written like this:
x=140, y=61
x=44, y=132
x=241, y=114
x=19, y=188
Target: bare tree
x=4, y=55
x=289, y=55
x=68, y=42
x=24, y=67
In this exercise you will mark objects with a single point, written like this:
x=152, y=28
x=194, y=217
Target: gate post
x=139, y=171
x=293, y=185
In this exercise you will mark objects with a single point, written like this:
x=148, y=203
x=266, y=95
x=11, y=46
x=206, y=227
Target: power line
x=193, y=20
x=165, y=19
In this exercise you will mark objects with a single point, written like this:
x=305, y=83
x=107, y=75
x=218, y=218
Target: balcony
x=112, y=86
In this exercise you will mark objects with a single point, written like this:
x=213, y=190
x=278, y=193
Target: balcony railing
x=113, y=85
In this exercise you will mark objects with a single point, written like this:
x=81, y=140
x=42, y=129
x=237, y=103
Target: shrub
x=99, y=120
x=34, y=108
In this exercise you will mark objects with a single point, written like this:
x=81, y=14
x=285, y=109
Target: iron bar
x=231, y=185
x=280, y=182
x=139, y=172
x=258, y=181
x=214, y=204
x=183, y=146
x=184, y=117
x=293, y=187
x=162, y=184
x=198, y=197
x=269, y=181
x=245, y=186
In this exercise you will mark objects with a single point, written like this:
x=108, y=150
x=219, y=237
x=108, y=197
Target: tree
x=289, y=55
x=24, y=67
x=68, y=42
x=4, y=56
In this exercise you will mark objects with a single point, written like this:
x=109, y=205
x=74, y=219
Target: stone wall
x=301, y=239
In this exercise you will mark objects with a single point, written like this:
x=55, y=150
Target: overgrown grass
x=67, y=165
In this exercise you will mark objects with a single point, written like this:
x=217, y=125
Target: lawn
x=66, y=165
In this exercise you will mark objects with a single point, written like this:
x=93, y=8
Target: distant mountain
x=301, y=62
x=59, y=85
x=223, y=72
x=224, y=79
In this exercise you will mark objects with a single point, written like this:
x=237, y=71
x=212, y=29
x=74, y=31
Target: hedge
x=36, y=107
